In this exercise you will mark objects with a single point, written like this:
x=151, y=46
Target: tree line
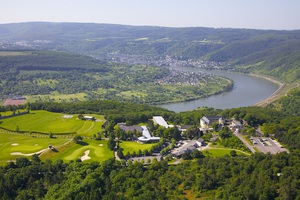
x=259, y=176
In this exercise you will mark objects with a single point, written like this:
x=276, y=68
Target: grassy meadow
x=21, y=145
x=219, y=152
x=15, y=145
x=134, y=146
x=98, y=151
x=57, y=97
x=57, y=123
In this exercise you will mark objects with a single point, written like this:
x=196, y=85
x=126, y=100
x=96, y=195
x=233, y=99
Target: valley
x=140, y=112
x=51, y=76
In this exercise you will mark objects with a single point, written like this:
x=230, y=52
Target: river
x=248, y=90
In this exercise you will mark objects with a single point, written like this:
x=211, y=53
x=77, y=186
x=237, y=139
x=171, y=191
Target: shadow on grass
x=54, y=150
x=82, y=143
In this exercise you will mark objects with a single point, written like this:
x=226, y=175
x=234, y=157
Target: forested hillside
x=49, y=60
x=289, y=104
x=270, y=52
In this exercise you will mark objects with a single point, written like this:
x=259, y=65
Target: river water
x=248, y=90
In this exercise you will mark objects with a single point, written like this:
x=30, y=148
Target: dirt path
x=28, y=154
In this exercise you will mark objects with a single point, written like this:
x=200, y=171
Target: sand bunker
x=100, y=145
x=14, y=144
x=28, y=154
x=67, y=116
x=85, y=157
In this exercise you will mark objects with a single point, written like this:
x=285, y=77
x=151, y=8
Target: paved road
x=236, y=133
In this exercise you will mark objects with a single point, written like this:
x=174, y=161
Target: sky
x=254, y=14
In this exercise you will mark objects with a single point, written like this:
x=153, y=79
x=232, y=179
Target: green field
x=14, y=145
x=24, y=145
x=98, y=151
x=55, y=96
x=7, y=113
x=57, y=123
x=219, y=152
x=134, y=146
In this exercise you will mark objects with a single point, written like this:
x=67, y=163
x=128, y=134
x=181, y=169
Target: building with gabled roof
x=206, y=121
x=126, y=128
x=190, y=146
x=160, y=121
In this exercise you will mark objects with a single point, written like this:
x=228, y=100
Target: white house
x=147, y=136
x=206, y=121
x=88, y=118
x=160, y=121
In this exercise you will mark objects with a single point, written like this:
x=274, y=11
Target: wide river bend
x=248, y=90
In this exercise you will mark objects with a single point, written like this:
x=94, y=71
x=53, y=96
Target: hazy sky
x=258, y=14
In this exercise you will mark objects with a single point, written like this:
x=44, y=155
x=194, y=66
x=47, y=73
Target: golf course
x=16, y=145
x=28, y=134
x=57, y=123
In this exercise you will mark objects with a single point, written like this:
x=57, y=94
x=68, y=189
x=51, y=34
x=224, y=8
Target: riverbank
x=247, y=91
x=273, y=96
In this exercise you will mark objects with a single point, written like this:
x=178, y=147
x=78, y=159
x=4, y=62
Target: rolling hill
x=271, y=52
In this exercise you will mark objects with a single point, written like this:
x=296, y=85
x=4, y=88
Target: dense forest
x=256, y=177
x=289, y=104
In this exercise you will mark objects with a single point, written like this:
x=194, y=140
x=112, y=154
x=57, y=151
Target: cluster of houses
x=206, y=123
x=182, y=146
x=146, y=136
x=185, y=146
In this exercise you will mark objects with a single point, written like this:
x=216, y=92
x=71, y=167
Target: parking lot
x=265, y=145
x=145, y=158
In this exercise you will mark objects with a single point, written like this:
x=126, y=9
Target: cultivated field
x=57, y=123
x=55, y=96
x=15, y=102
